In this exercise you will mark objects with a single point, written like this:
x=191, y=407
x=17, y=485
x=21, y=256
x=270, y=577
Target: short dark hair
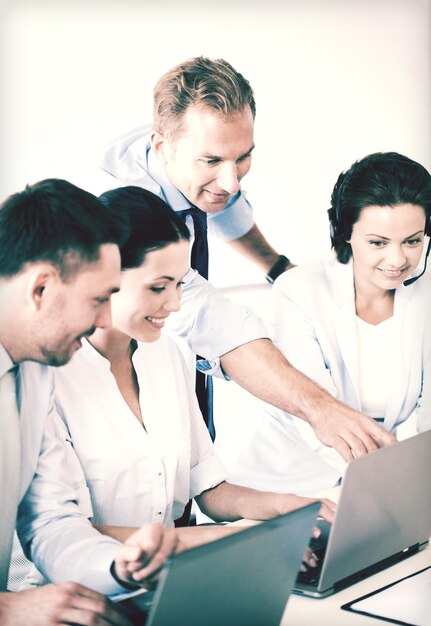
x=55, y=221
x=212, y=83
x=152, y=223
x=379, y=179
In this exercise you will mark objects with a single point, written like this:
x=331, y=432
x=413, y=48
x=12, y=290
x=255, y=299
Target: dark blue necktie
x=199, y=262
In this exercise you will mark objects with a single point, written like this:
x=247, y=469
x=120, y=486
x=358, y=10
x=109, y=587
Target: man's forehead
x=205, y=128
x=106, y=269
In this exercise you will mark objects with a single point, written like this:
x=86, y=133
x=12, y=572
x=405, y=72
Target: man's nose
x=228, y=178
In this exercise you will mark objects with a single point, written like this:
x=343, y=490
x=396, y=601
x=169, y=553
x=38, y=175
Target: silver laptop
x=245, y=578
x=383, y=516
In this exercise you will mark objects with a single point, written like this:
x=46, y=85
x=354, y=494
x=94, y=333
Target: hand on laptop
x=142, y=555
x=65, y=603
x=351, y=433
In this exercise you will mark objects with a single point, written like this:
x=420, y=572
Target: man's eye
x=210, y=161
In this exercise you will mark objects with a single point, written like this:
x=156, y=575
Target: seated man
x=59, y=265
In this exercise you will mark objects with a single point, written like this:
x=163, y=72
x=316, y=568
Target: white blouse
x=137, y=475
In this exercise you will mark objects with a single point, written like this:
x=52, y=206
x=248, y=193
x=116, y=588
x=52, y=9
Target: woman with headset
x=358, y=324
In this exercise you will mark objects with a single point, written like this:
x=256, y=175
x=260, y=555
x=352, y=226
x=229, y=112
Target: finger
x=126, y=557
x=316, y=532
x=85, y=616
x=383, y=438
x=167, y=547
x=327, y=513
x=344, y=449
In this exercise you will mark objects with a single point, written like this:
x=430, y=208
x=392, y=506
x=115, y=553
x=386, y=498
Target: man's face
x=77, y=307
x=210, y=155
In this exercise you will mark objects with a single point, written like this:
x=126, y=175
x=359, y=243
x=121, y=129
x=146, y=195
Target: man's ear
x=41, y=281
x=160, y=145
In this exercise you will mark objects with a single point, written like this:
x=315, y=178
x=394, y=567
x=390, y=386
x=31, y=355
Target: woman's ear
x=42, y=277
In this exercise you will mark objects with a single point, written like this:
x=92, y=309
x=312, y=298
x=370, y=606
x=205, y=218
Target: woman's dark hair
x=152, y=223
x=379, y=179
x=56, y=222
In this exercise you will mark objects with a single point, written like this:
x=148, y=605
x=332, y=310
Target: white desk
x=301, y=611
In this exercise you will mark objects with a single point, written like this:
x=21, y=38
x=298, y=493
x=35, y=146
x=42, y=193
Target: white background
x=334, y=80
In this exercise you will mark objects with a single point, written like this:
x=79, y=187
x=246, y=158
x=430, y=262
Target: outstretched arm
x=228, y=502
x=261, y=369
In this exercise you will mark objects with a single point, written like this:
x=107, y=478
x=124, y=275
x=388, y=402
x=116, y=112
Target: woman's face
x=151, y=292
x=387, y=244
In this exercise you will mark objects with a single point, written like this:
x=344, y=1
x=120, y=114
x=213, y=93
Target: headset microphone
x=412, y=280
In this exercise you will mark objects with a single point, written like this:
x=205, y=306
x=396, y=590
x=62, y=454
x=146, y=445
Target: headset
x=410, y=281
x=335, y=224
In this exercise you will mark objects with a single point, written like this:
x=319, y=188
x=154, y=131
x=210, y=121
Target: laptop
x=383, y=516
x=244, y=578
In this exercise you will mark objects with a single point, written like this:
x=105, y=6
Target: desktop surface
x=302, y=611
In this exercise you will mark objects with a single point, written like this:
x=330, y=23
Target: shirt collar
x=172, y=196
x=6, y=362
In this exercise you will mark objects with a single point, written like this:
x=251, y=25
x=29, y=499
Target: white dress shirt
x=61, y=542
x=136, y=474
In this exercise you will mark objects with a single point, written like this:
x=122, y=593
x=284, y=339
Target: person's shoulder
x=309, y=273
x=422, y=288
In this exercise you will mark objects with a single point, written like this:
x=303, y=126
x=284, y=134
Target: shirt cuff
x=211, y=367
x=208, y=474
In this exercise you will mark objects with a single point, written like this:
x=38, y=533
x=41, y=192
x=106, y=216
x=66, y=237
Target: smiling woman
x=358, y=324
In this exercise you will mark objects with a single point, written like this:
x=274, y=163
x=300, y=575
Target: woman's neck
x=113, y=344
x=376, y=307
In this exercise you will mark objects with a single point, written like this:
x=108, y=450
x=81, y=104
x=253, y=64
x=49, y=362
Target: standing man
x=194, y=156
x=59, y=265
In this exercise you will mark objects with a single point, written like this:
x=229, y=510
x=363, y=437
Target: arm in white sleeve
x=55, y=535
x=295, y=336
x=211, y=324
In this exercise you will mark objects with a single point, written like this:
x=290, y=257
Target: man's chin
x=57, y=359
x=213, y=207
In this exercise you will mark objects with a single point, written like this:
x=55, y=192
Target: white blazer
x=314, y=325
